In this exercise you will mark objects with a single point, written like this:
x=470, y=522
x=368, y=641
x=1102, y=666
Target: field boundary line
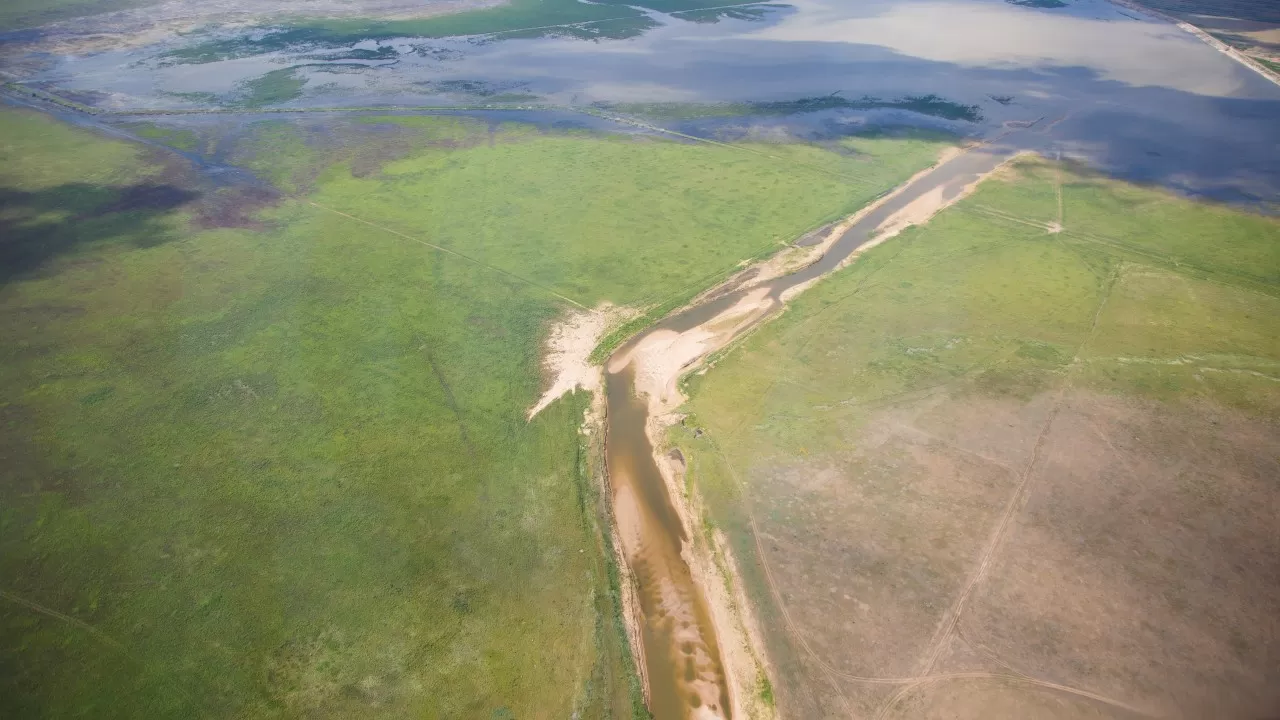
x=449, y=398
x=1169, y=263
x=455, y=253
x=1014, y=504
x=95, y=632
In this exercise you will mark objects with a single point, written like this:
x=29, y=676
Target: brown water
x=681, y=655
x=683, y=664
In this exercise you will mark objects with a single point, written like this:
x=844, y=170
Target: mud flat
x=681, y=630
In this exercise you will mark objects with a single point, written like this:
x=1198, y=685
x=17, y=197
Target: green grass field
x=274, y=462
x=1148, y=299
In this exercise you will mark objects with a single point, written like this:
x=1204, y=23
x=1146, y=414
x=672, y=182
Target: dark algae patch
x=923, y=104
x=933, y=105
x=616, y=29
x=38, y=226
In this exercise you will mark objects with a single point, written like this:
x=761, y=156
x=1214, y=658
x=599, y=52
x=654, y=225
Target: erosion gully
x=683, y=665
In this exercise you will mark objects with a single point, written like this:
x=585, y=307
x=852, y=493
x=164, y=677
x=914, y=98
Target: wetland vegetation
x=517, y=18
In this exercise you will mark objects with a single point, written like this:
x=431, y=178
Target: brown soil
x=1088, y=556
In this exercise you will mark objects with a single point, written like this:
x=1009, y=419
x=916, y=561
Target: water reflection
x=1121, y=79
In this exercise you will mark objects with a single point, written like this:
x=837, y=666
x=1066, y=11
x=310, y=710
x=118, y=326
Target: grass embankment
x=276, y=464
x=870, y=422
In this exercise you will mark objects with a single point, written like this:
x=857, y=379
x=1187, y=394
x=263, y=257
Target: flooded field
x=1118, y=77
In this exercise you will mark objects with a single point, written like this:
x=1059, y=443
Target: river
x=684, y=668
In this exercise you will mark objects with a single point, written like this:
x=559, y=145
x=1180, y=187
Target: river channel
x=683, y=663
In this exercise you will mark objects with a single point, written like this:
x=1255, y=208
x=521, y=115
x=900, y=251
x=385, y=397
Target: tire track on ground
x=1017, y=500
x=97, y=634
x=917, y=683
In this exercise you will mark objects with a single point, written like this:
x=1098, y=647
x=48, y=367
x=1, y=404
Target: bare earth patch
x=569, y=345
x=1135, y=578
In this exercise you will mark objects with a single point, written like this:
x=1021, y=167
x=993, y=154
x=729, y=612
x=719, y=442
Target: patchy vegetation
x=1093, y=381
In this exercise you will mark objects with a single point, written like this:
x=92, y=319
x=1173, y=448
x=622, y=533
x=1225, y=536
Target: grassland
x=265, y=452
x=1102, y=401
